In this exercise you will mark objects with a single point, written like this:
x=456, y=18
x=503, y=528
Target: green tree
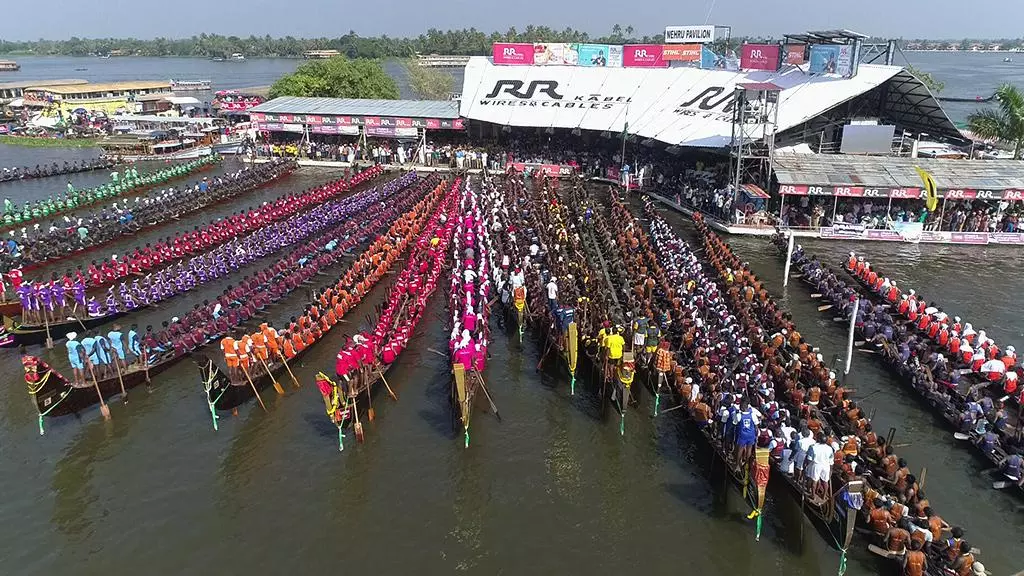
x=931, y=82
x=1004, y=123
x=337, y=77
x=429, y=83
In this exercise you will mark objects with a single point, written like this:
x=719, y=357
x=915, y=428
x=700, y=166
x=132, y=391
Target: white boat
x=190, y=85
x=173, y=152
x=1007, y=59
x=237, y=56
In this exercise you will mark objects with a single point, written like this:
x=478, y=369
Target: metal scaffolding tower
x=755, y=121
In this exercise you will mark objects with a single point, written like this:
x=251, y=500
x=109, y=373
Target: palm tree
x=1004, y=123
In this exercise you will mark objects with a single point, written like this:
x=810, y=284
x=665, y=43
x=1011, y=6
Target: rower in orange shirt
x=287, y=346
x=259, y=346
x=229, y=347
x=271, y=337
x=245, y=352
x=297, y=342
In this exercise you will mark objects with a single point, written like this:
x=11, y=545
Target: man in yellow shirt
x=615, y=343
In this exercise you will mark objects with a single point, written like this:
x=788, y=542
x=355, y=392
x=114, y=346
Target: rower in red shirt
x=95, y=274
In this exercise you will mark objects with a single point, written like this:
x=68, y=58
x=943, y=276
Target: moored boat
x=190, y=85
x=362, y=361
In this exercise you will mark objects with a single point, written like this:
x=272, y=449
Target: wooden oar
x=961, y=436
x=117, y=366
x=359, y=425
x=104, y=409
x=1002, y=484
x=484, y=388
x=295, y=381
x=386, y=385
x=277, y=385
x=49, y=340
x=439, y=353
x=254, y=390
x=370, y=413
x=824, y=307
x=816, y=296
x=885, y=553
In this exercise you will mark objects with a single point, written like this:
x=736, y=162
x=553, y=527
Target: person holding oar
x=76, y=357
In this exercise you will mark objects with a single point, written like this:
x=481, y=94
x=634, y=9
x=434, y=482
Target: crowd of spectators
x=956, y=216
x=697, y=182
x=378, y=151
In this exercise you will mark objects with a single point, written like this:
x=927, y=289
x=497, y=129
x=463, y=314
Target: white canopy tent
x=677, y=106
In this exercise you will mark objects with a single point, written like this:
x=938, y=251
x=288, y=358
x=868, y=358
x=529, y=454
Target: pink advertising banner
x=513, y=54
x=760, y=57
x=643, y=56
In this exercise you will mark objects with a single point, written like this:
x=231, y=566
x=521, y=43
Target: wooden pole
x=849, y=343
x=789, y=259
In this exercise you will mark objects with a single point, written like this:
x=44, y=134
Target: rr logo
x=514, y=88
x=640, y=54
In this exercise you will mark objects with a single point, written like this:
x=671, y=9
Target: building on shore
x=441, y=61
x=108, y=97
x=10, y=91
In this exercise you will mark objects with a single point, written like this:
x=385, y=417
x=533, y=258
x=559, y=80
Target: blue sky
x=60, y=19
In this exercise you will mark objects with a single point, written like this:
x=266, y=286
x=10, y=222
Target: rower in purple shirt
x=25, y=297
x=113, y=306
x=78, y=291
x=95, y=309
x=59, y=299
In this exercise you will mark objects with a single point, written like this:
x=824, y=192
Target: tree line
x=466, y=41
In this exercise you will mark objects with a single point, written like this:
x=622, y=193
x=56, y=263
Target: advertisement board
x=831, y=59
x=555, y=54
x=599, y=55
x=689, y=34
x=681, y=52
x=513, y=54
x=643, y=56
x=760, y=57
x=795, y=54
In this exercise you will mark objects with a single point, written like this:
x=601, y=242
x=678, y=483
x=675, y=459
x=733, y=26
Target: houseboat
x=320, y=54
x=110, y=97
x=9, y=66
x=190, y=85
x=441, y=61
x=10, y=91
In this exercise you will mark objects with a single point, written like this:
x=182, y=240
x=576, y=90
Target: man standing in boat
x=76, y=358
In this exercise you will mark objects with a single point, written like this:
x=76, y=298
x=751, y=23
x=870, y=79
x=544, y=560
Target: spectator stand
x=872, y=198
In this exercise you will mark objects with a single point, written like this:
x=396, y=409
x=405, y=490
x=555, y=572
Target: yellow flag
x=931, y=193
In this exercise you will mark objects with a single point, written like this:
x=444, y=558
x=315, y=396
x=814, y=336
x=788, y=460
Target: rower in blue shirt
x=135, y=343
x=76, y=358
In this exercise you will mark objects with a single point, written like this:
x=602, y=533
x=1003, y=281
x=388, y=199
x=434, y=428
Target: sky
x=934, y=19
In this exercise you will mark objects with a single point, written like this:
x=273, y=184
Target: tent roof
x=840, y=170
x=439, y=109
